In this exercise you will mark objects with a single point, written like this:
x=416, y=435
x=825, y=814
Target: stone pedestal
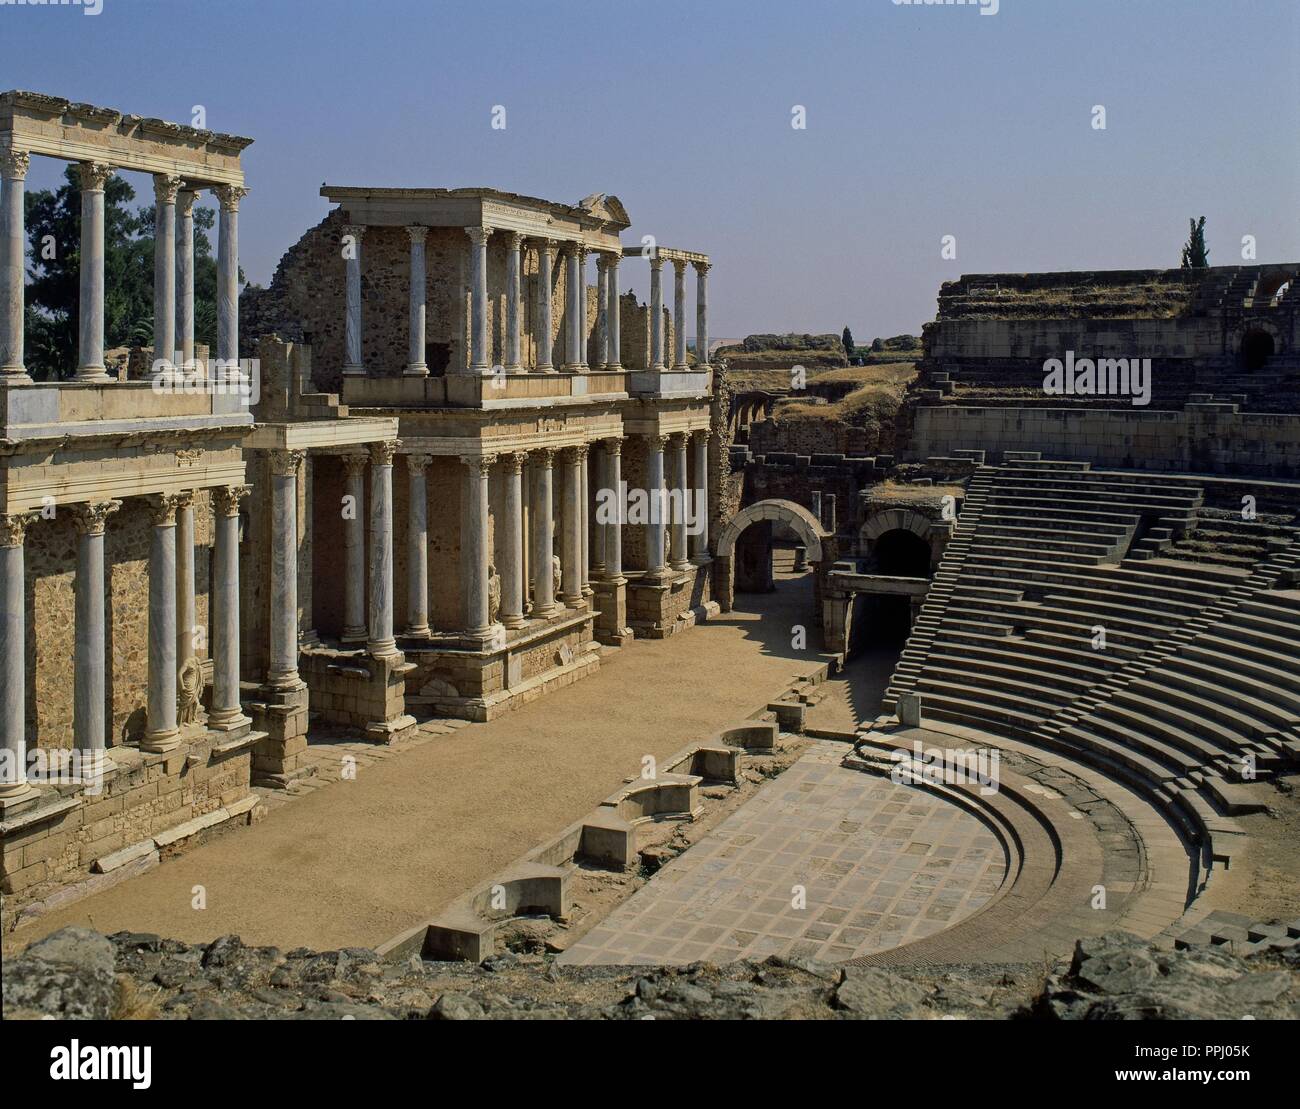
x=278, y=756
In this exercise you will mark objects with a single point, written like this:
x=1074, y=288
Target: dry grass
x=135, y=1002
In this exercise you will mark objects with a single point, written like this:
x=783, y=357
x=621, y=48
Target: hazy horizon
x=922, y=121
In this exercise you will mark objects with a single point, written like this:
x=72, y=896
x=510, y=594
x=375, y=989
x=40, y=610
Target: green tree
x=1195, y=254
x=53, y=291
x=847, y=340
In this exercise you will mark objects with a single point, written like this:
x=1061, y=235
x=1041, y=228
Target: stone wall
x=1201, y=438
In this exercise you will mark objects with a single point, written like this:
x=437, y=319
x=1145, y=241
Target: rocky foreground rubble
x=77, y=973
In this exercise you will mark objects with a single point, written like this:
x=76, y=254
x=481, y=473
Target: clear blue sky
x=921, y=122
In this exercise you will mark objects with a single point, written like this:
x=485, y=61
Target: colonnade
x=174, y=197
x=573, y=256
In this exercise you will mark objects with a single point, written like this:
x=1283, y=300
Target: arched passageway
x=1257, y=347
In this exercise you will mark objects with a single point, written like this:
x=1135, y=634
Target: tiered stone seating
x=1013, y=642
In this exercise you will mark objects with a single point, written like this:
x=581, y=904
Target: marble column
x=353, y=234
x=185, y=275
x=88, y=724
x=94, y=175
x=228, y=196
x=701, y=314
x=480, y=360
x=381, y=641
x=227, y=713
x=582, y=308
x=700, y=539
x=545, y=263
x=282, y=672
x=571, y=528
x=165, y=187
x=161, y=731
x=677, y=504
x=514, y=313
x=543, y=538
x=597, y=469
x=185, y=609
x=478, y=617
x=654, y=538
x=572, y=324
x=13, y=659
x=417, y=546
x=513, y=584
x=679, y=314
x=602, y=311
x=415, y=363
x=614, y=354
x=354, y=548
x=13, y=264
x=614, y=528
x=656, y=313
x=584, y=523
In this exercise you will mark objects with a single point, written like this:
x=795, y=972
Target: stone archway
x=795, y=516
x=887, y=520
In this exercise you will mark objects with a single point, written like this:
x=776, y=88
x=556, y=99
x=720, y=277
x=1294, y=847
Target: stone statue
x=189, y=690
x=494, y=593
x=556, y=575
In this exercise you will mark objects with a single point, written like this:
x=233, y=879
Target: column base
x=547, y=369
x=702, y=559
x=92, y=373
x=418, y=631
x=354, y=371
x=513, y=622
x=416, y=369
x=487, y=638
x=354, y=635
x=15, y=797
x=14, y=375
x=540, y=612
x=680, y=565
x=159, y=743
x=228, y=720
x=285, y=683
x=384, y=648
x=611, y=626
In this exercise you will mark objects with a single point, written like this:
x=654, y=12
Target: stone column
x=700, y=539
x=584, y=523
x=514, y=315
x=543, y=541
x=513, y=584
x=381, y=641
x=582, y=308
x=13, y=659
x=571, y=528
x=227, y=714
x=354, y=548
x=573, y=340
x=282, y=673
x=614, y=356
x=480, y=362
x=679, y=314
x=545, y=262
x=417, y=546
x=94, y=175
x=478, y=618
x=229, y=197
x=415, y=363
x=701, y=314
x=353, y=234
x=654, y=539
x=88, y=730
x=656, y=313
x=13, y=265
x=597, y=469
x=161, y=732
x=185, y=275
x=677, y=504
x=165, y=187
x=185, y=608
x=602, y=311
x=614, y=529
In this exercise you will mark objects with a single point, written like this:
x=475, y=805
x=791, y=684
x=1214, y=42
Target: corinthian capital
x=417, y=233
x=418, y=463
x=13, y=527
x=93, y=176
x=382, y=452
x=286, y=463
x=226, y=499
x=162, y=508
x=229, y=196
x=165, y=187
x=14, y=163
x=92, y=519
x=479, y=235
x=480, y=464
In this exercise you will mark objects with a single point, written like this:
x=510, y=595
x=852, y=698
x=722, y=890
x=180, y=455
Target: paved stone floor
x=881, y=864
